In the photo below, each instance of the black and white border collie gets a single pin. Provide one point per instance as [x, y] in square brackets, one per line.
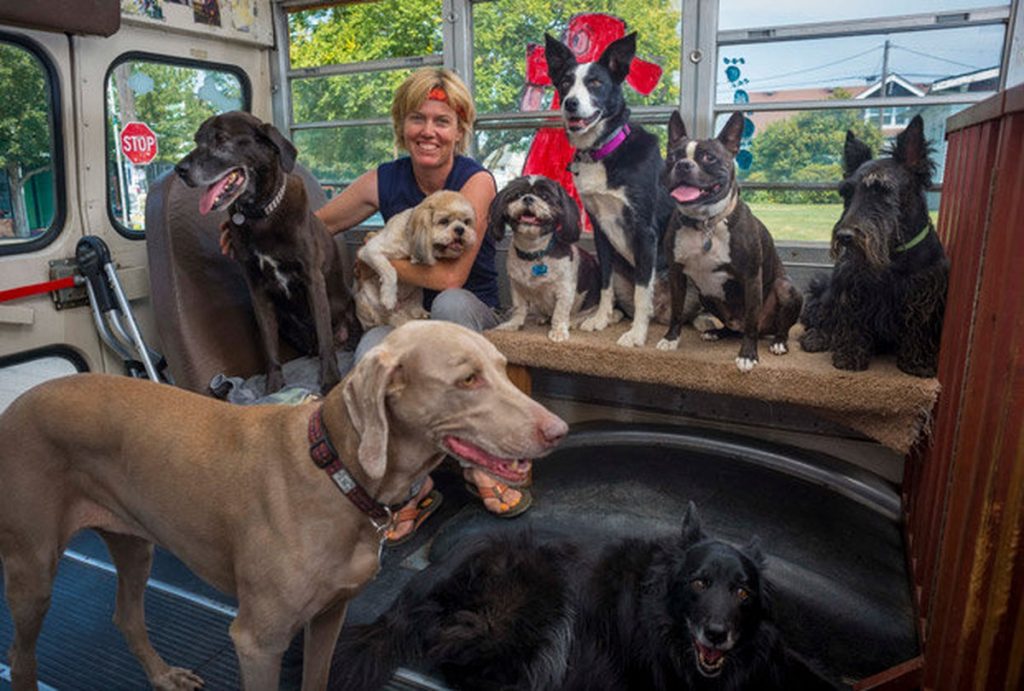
[615, 170]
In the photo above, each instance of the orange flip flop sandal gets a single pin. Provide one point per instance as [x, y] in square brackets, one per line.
[419, 513]
[497, 492]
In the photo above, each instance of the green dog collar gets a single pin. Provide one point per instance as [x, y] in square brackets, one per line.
[916, 240]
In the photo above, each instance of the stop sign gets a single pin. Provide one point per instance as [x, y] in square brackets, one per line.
[138, 143]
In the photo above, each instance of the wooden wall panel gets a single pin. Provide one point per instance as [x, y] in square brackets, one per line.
[964, 492]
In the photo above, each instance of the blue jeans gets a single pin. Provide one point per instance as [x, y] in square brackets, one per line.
[455, 305]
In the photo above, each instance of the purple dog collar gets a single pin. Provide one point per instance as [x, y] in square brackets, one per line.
[611, 145]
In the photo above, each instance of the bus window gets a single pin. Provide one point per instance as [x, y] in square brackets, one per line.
[31, 206]
[154, 107]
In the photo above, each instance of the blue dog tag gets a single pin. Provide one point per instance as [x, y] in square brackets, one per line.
[539, 269]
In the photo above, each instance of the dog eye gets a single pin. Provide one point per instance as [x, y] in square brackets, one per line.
[743, 594]
[470, 381]
[707, 157]
[443, 221]
[699, 584]
[593, 83]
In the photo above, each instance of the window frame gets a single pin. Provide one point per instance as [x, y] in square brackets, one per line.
[700, 43]
[145, 56]
[58, 162]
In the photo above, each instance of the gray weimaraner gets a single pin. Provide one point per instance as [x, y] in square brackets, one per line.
[240, 493]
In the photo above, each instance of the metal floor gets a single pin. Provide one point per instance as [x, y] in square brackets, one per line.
[831, 535]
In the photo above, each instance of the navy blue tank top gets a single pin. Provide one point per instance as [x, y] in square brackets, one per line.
[397, 191]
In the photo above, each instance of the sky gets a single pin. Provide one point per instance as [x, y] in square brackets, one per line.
[920, 57]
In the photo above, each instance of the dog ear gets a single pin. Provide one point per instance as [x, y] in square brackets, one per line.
[855, 153]
[569, 228]
[496, 211]
[676, 128]
[618, 56]
[419, 231]
[753, 551]
[692, 532]
[285, 149]
[559, 58]
[911, 150]
[365, 394]
[732, 133]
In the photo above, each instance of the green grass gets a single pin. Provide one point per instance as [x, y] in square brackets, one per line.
[807, 222]
[804, 222]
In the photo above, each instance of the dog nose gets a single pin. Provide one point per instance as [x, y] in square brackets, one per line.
[181, 168]
[528, 199]
[715, 634]
[571, 104]
[459, 231]
[552, 429]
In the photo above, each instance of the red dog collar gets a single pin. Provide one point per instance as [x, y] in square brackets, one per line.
[326, 457]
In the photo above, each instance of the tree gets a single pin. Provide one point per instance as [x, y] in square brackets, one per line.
[399, 28]
[25, 128]
[807, 147]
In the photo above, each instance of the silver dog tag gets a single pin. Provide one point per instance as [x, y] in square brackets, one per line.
[237, 218]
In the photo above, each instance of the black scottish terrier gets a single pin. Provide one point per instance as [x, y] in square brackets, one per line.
[887, 290]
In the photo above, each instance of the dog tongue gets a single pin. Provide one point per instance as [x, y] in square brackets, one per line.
[685, 194]
[210, 195]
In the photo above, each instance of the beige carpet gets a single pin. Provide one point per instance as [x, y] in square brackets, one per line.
[881, 402]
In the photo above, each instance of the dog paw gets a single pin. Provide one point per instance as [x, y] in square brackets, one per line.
[779, 348]
[616, 317]
[275, 380]
[745, 364]
[709, 335]
[389, 296]
[594, 323]
[177, 679]
[813, 341]
[634, 338]
[665, 344]
[509, 326]
[559, 334]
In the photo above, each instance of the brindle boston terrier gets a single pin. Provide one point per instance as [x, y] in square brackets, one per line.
[722, 247]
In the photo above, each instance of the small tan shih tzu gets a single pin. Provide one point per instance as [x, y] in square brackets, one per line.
[442, 226]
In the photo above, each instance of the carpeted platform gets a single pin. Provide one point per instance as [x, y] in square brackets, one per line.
[885, 404]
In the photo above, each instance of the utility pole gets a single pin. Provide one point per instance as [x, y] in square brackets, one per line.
[884, 91]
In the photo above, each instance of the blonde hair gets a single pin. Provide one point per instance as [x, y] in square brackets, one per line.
[420, 85]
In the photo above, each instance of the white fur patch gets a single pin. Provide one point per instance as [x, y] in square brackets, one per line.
[604, 204]
[691, 150]
[268, 263]
[701, 266]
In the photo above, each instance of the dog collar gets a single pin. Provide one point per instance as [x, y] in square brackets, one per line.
[707, 225]
[326, 457]
[610, 144]
[539, 254]
[916, 240]
[238, 218]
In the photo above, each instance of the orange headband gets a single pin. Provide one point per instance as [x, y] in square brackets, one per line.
[439, 94]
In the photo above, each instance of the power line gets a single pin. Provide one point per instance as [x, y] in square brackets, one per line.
[934, 57]
[818, 67]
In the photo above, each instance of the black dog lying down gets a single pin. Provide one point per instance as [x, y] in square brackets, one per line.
[689, 612]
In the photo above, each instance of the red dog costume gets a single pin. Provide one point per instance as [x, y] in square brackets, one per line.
[587, 36]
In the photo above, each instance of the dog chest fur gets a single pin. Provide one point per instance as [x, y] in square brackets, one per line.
[604, 203]
[706, 269]
[542, 291]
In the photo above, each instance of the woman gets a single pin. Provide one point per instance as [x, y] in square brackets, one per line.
[432, 114]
